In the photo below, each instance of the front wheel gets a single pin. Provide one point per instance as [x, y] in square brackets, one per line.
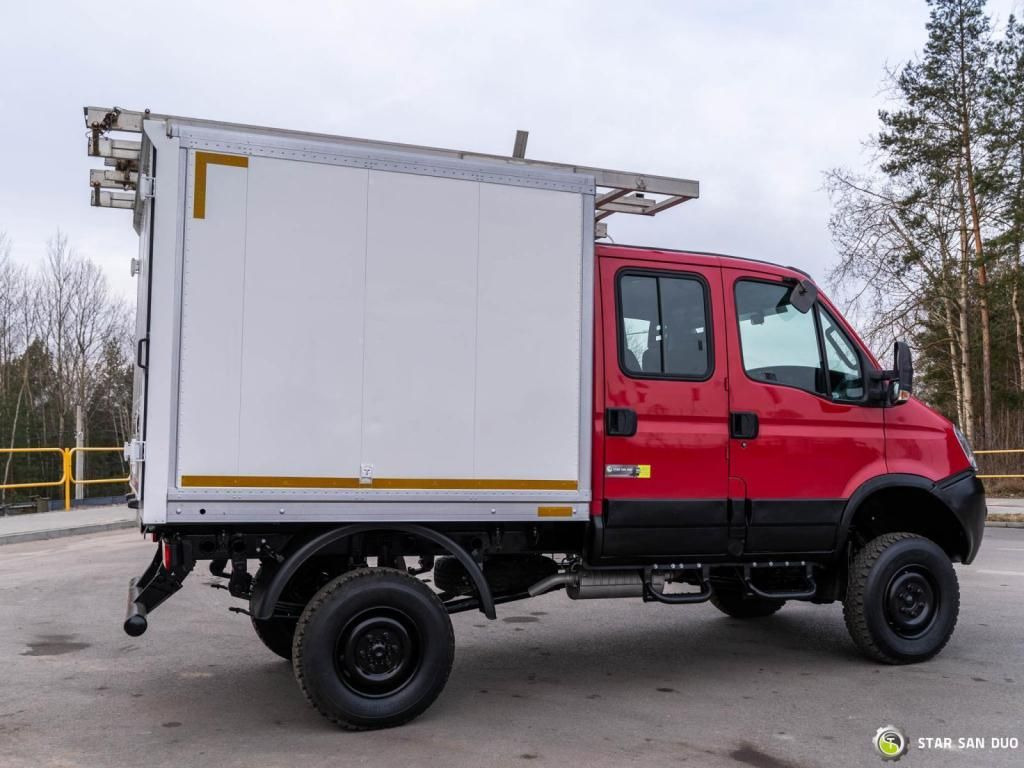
[373, 649]
[902, 599]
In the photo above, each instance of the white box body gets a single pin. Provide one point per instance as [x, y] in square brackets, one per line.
[338, 332]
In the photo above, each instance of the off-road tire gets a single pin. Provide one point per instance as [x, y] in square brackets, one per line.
[875, 599]
[275, 634]
[350, 625]
[732, 602]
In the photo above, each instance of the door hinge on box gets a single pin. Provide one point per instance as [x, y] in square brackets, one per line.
[135, 451]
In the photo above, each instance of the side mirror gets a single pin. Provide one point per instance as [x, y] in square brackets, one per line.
[803, 296]
[903, 368]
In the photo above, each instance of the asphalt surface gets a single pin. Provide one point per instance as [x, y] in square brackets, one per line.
[15, 529]
[552, 682]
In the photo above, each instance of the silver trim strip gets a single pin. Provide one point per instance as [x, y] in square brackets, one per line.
[338, 152]
[283, 511]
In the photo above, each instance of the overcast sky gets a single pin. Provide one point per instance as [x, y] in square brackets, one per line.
[753, 99]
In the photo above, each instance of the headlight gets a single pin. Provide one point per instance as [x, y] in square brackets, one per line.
[966, 446]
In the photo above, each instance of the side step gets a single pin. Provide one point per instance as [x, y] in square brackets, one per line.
[809, 591]
[651, 593]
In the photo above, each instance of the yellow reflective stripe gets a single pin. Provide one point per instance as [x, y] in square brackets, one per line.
[202, 160]
[379, 483]
[554, 511]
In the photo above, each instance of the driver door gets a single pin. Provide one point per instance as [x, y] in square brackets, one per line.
[802, 434]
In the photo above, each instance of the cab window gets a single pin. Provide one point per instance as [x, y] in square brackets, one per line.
[779, 344]
[845, 372]
[783, 346]
[663, 326]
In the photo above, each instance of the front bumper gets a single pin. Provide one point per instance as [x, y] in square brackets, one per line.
[964, 494]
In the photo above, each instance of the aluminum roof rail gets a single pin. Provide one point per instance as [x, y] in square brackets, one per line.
[617, 191]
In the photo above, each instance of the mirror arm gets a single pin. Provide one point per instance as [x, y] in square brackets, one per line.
[879, 384]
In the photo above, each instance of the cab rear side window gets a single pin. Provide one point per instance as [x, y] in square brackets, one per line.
[663, 324]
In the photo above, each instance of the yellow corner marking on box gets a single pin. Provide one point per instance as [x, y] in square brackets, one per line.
[554, 511]
[643, 470]
[202, 160]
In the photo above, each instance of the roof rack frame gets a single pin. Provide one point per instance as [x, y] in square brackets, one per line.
[617, 191]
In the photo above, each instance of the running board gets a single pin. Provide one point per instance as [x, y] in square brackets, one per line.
[809, 591]
[652, 594]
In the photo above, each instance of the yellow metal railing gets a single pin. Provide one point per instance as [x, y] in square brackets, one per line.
[67, 478]
[1004, 451]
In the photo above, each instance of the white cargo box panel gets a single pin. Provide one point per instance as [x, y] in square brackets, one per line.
[367, 334]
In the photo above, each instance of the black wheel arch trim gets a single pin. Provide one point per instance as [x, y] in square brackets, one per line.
[263, 601]
[961, 494]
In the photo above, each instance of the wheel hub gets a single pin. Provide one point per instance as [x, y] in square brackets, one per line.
[377, 652]
[911, 602]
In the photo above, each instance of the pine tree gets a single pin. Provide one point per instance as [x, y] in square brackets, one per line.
[938, 137]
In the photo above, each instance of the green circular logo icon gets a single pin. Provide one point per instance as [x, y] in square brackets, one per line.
[891, 742]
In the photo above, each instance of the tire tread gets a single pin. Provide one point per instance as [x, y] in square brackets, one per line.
[318, 600]
[855, 610]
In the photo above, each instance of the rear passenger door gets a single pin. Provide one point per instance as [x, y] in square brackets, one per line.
[665, 409]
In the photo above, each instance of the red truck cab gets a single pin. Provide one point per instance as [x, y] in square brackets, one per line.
[729, 424]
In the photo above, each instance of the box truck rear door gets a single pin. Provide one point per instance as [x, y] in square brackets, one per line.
[141, 268]
[665, 431]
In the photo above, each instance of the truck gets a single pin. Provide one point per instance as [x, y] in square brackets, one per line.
[379, 384]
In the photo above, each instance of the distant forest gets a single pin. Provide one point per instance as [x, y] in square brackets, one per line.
[930, 234]
[65, 341]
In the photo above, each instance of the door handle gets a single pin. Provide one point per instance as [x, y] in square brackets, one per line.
[142, 359]
[620, 422]
[743, 425]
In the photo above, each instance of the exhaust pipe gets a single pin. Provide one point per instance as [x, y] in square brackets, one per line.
[549, 583]
[587, 585]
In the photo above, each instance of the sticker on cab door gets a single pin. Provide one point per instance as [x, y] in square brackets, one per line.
[627, 470]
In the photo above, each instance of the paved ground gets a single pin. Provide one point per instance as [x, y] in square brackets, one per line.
[552, 682]
[1005, 506]
[15, 529]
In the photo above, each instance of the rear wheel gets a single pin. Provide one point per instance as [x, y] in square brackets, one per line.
[373, 649]
[731, 600]
[902, 599]
[275, 634]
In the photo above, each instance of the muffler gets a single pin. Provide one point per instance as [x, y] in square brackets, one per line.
[587, 585]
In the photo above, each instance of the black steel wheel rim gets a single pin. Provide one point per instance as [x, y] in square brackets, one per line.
[378, 652]
[911, 602]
